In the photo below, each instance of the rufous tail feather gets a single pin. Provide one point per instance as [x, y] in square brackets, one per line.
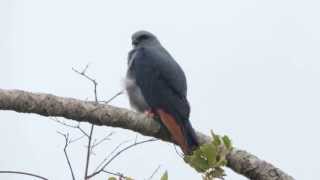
[174, 129]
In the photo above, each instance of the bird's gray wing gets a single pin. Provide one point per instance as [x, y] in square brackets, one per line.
[161, 81]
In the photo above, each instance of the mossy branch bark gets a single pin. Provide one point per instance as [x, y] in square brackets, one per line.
[240, 161]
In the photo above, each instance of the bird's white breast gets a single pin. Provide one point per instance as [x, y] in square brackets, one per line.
[137, 101]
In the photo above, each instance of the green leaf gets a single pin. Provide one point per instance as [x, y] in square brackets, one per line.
[210, 152]
[227, 142]
[216, 140]
[112, 178]
[199, 161]
[165, 176]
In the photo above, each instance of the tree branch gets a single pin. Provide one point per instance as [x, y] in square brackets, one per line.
[67, 142]
[95, 84]
[23, 173]
[117, 154]
[240, 161]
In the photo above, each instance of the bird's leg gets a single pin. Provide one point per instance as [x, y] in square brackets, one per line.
[149, 113]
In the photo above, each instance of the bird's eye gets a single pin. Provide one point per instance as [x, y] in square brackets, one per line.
[143, 37]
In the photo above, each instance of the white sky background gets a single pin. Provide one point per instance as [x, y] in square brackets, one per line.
[253, 70]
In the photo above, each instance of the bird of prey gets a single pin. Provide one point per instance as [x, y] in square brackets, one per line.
[157, 85]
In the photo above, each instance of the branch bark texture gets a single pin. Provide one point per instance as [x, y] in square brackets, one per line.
[239, 161]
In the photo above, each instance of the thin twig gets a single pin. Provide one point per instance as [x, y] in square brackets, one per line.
[71, 126]
[95, 83]
[83, 131]
[76, 139]
[90, 145]
[126, 148]
[107, 137]
[55, 119]
[89, 148]
[108, 156]
[88, 152]
[177, 152]
[115, 174]
[67, 142]
[85, 69]
[108, 101]
[23, 173]
[113, 97]
[154, 172]
[118, 153]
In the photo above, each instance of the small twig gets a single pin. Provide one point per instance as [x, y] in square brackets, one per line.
[23, 173]
[118, 153]
[85, 69]
[71, 126]
[126, 148]
[95, 84]
[77, 139]
[83, 73]
[115, 174]
[90, 146]
[83, 131]
[175, 148]
[67, 142]
[107, 137]
[55, 119]
[154, 172]
[88, 152]
[113, 97]
[108, 156]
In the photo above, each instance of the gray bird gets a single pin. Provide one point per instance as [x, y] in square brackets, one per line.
[157, 85]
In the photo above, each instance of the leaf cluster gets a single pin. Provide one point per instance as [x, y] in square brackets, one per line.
[209, 158]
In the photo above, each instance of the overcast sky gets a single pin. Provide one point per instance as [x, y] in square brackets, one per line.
[253, 70]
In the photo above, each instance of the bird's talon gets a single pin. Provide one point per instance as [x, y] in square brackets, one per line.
[150, 114]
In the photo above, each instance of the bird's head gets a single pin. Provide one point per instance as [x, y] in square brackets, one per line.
[141, 38]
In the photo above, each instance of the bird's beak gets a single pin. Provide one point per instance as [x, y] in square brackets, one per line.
[134, 42]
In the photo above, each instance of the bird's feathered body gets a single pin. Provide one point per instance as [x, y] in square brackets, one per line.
[156, 83]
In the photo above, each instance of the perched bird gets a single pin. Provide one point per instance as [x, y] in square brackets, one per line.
[157, 85]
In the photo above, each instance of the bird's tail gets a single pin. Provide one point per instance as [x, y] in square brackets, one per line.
[181, 132]
[190, 136]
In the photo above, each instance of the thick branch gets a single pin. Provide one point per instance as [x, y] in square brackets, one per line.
[240, 161]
